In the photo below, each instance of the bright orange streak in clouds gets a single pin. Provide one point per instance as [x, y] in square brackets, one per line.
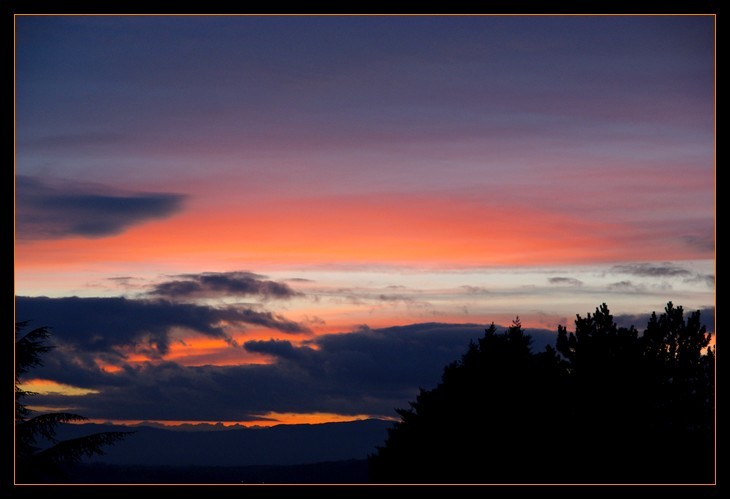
[46, 387]
[413, 229]
[108, 368]
[206, 351]
[200, 351]
[269, 419]
[306, 418]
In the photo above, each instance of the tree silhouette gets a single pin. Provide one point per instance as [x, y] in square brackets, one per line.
[643, 404]
[606, 405]
[34, 464]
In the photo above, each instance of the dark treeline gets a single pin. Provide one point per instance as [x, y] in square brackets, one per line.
[605, 405]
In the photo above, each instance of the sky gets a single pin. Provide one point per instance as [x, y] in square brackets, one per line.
[277, 219]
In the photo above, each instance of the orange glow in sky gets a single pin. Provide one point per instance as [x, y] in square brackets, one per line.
[407, 229]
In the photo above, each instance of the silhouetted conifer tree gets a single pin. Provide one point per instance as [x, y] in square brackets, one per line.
[34, 464]
[606, 405]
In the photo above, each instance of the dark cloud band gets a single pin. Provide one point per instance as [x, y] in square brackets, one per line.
[214, 284]
[51, 210]
[651, 270]
[565, 281]
[101, 324]
[367, 371]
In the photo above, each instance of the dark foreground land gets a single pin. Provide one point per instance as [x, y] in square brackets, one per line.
[352, 471]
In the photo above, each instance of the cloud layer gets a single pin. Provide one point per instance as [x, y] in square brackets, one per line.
[651, 270]
[221, 284]
[665, 270]
[58, 209]
[365, 371]
[103, 324]
[565, 281]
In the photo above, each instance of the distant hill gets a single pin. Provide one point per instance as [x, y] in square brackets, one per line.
[283, 445]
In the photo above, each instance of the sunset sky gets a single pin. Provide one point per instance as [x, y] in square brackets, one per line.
[266, 219]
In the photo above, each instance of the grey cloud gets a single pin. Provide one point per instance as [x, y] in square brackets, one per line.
[313, 320]
[664, 270]
[474, 290]
[101, 324]
[74, 366]
[51, 210]
[123, 279]
[565, 281]
[406, 300]
[625, 286]
[703, 243]
[212, 284]
[259, 318]
[384, 297]
[169, 391]
[278, 348]
[373, 297]
[707, 279]
[651, 270]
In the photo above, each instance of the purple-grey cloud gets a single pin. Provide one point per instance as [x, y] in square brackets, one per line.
[57, 209]
[625, 286]
[214, 284]
[702, 242]
[565, 281]
[277, 348]
[102, 324]
[651, 270]
[707, 279]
